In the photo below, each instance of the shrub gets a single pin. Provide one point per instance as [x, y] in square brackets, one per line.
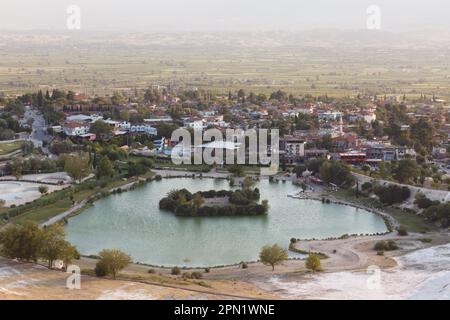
[244, 265]
[151, 271]
[423, 202]
[111, 262]
[313, 262]
[367, 187]
[146, 163]
[392, 245]
[196, 275]
[136, 169]
[176, 271]
[158, 177]
[207, 270]
[100, 270]
[186, 275]
[385, 246]
[402, 231]
[43, 189]
[392, 194]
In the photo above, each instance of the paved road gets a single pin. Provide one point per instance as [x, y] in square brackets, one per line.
[65, 214]
[433, 194]
[39, 133]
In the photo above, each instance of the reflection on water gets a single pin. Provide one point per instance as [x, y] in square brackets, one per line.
[133, 223]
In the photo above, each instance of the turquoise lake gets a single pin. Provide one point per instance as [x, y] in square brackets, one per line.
[133, 223]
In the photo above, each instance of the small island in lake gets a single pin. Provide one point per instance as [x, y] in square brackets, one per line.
[214, 203]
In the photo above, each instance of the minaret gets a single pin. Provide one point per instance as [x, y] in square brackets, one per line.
[341, 126]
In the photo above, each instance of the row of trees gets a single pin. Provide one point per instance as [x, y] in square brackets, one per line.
[241, 202]
[388, 195]
[30, 243]
[329, 171]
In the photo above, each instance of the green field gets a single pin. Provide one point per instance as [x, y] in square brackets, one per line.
[9, 147]
[261, 64]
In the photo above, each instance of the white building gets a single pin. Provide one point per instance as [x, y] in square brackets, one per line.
[330, 115]
[194, 124]
[294, 147]
[84, 118]
[143, 128]
[74, 129]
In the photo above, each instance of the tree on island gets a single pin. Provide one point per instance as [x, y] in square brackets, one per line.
[111, 262]
[198, 200]
[248, 183]
[236, 170]
[313, 262]
[273, 255]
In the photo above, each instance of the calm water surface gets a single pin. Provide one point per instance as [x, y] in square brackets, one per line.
[133, 223]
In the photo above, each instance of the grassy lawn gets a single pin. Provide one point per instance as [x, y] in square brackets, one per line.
[42, 214]
[7, 148]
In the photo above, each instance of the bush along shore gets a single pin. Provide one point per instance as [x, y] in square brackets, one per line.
[214, 203]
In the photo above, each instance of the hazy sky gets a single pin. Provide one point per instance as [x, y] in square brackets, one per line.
[223, 15]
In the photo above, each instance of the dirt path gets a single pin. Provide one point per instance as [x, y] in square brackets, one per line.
[65, 214]
[31, 281]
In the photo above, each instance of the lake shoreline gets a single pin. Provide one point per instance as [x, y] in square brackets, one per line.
[183, 174]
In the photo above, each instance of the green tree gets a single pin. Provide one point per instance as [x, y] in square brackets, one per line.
[422, 133]
[392, 194]
[406, 171]
[17, 169]
[248, 183]
[298, 170]
[43, 189]
[236, 170]
[273, 255]
[68, 254]
[77, 167]
[53, 244]
[313, 262]
[112, 261]
[336, 172]
[104, 168]
[101, 129]
[198, 200]
[21, 242]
